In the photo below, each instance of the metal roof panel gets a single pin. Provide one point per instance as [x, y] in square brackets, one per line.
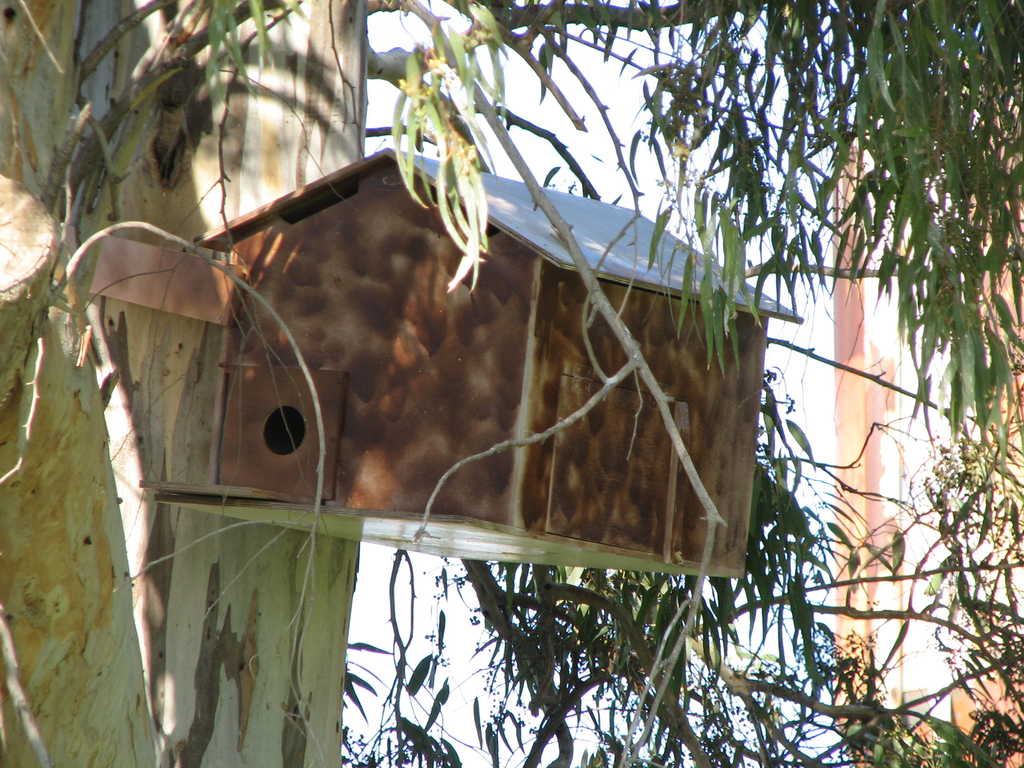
[615, 241]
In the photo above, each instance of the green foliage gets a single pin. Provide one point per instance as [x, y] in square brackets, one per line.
[438, 99]
[891, 128]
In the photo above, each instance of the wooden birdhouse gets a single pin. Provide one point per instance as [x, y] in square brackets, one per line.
[412, 378]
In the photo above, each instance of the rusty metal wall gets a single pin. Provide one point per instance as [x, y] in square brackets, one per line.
[432, 376]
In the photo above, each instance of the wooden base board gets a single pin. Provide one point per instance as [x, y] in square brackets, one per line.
[445, 536]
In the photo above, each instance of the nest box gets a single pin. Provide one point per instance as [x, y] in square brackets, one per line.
[411, 378]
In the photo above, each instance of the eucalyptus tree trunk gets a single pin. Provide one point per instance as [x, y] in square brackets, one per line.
[236, 652]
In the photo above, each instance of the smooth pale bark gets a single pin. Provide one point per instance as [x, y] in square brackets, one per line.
[61, 543]
[243, 638]
[242, 631]
[62, 551]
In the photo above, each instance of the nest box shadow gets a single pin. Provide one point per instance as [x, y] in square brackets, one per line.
[412, 378]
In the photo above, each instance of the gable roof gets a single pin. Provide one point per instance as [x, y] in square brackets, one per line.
[615, 241]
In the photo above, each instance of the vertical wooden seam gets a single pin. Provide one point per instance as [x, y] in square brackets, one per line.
[523, 418]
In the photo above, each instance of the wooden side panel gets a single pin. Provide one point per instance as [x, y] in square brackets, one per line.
[723, 423]
[270, 435]
[433, 376]
[615, 461]
[161, 278]
[720, 408]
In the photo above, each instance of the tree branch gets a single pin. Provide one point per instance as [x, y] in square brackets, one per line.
[602, 109]
[390, 66]
[635, 354]
[511, 118]
[875, 377]
[522, 47]
[124, 25]
[837, 273]
[27, 412]
[637, 16]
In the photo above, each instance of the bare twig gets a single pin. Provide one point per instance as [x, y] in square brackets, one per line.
[17, 693]
[602, 109]
[837, 273]
[640, 16]
[41, 37]
[635, 354]
[522, 47]
[603, 306]
[390, 66]
[59, 165]
[28, 412]
[511, 118]
[108, 158]
[148, 75]
[877, 378]
[199, 540]
[662, 668]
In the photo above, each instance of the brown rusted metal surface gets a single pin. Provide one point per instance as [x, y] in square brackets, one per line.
[269, 439]
[721, 408]
[433, 376]
[161, 278]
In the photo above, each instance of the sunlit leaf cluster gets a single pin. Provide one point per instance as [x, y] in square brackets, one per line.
[438, 103]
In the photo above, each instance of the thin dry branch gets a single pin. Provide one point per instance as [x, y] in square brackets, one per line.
[638, 16]
[522, 47]
[604, 307]
[602, 109]
[511, 118]
[27, 412]
[877, 378]
[634, 354]
[651, 663]
[390, 66]
[79, 255]
[834, 272]
[41, 37]
[495, 604]
[17, 693]
[62, 158]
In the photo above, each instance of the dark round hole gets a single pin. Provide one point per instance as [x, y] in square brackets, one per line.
[10, 13]
[284, 430]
